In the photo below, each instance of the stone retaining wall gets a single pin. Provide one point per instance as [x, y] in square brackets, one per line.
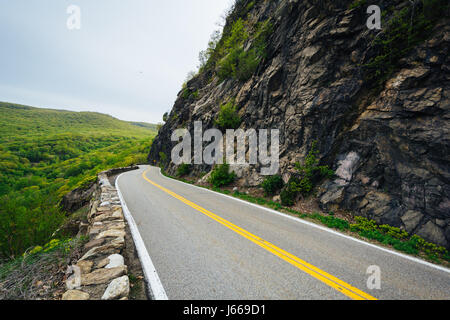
[101, 272]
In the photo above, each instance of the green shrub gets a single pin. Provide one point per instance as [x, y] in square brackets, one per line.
[288, 196]
[236, 62]
[272, 185]
[183, 169]
[237, 37]
[226, 66]
[228, 118]
[246, 64]
[310, 167]
[239, 64]
[308, 173]
[189, 94]
[221, 175]
[393, 231]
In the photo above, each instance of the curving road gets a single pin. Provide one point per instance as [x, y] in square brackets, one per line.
[206, 245]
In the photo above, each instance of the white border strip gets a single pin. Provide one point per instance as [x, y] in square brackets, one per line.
[151, 276]
[441, 268]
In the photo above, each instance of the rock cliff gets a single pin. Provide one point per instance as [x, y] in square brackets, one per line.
[377, 102]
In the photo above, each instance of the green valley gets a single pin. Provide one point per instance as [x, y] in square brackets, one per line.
[44, 154]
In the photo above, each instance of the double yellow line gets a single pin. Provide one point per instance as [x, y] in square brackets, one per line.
[335, 283]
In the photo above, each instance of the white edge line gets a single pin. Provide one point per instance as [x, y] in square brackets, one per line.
[151, 276]
[311, 224]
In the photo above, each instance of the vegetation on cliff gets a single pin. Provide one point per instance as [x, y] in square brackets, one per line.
[221, 175]
[228, 117]
[401, 33]
[237, 52]
[308, 174]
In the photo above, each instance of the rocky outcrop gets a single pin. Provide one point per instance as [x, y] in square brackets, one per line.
[101, 272]
[77, 198]
[80, 197]
[388, 145]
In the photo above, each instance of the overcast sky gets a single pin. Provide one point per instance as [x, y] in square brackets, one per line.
[129, 59]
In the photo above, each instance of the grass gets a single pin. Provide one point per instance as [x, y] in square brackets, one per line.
[135, 286]
[364, 228]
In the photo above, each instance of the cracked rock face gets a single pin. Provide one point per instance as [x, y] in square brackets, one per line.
[389, 147]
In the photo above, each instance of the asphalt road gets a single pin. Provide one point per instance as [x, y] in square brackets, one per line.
[209, 246]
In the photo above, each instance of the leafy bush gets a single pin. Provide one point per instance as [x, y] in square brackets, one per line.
[272, 184]
[311, 166]
[237, 36]
[190, 94]
[221, 176]
[236, 62]
[228, 117]
[364, 224]
[226, 66]
[246, 64]
[288, 195]
[308, 173]
[183, 169]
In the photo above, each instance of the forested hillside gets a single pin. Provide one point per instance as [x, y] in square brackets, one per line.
[46, 153]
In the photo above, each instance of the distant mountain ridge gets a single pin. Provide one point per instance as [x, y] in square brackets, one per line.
[28, 121]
